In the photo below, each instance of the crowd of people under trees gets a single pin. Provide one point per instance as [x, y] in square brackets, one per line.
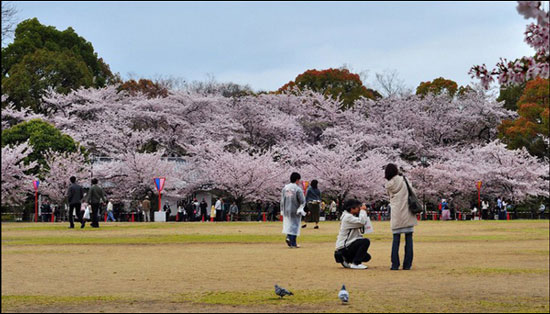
[192, 210]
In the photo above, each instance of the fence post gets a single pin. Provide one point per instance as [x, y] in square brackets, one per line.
[133, 218]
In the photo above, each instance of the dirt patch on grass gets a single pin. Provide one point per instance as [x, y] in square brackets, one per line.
[481, 272]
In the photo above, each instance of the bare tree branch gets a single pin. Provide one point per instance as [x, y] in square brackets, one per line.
[9, 20]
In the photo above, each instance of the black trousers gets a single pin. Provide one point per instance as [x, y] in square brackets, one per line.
[407, 263]
[95, 215]
[357, 252]
[76, 208]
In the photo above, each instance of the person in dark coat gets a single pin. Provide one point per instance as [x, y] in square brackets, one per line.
[74, 198]
[95, 198]
[313, 201]
[204, 210]
[46, 211]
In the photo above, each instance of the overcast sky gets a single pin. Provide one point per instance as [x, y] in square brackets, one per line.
[266, 45]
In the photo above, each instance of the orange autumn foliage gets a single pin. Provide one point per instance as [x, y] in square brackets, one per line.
[531, 128]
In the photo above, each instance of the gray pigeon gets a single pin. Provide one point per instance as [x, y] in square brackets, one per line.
[281, 292]
[343, 295]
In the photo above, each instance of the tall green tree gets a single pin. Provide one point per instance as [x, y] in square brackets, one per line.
[510, 95]
[333, 83]
[42, 137]
[42, 57]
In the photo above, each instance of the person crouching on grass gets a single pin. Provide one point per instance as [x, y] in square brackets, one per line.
[351, 247]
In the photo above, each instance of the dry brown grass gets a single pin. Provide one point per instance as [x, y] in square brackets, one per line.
[176, 267]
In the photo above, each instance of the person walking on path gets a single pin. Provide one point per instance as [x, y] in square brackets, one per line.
[110, 216]
[95, 197]
[313, 200]
[402, 220]
[292, 209]
[146, 207]
[75, 194]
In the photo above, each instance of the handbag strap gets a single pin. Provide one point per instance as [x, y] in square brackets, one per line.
[407, 183]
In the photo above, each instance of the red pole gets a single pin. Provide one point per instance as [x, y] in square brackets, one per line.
[36, 206]
[280, 217]
[228, 217]
[263, 217]
[133, 220]
[159, 201]
[379, 217]
[52, 217]
[105, 216]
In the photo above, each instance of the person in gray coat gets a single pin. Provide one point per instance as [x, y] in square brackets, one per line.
[402, 220]
[74, 198]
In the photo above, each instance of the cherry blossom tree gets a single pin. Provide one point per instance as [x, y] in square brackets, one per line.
[513, 174]
[16, 184]
[525, 68]
[343, 171]
[244, 176]
[247, 146]
[60, 167]
[131, 176]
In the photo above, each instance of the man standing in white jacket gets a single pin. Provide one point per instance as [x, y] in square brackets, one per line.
[350, 239]
[219, 209]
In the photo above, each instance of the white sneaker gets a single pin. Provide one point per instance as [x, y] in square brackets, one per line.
[345, 264]
[360, 266]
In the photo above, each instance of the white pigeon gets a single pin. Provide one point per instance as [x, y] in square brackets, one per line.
[343, 295]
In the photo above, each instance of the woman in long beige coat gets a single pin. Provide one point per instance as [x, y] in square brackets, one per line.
[402, 220]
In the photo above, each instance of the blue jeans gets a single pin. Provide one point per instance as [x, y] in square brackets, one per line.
[110, 216]
[407, 263]
[292, 239]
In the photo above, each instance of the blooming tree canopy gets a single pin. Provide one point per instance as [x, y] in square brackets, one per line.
[16, 184]
[526, 68]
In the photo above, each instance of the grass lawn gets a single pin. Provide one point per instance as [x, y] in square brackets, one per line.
[466, 266]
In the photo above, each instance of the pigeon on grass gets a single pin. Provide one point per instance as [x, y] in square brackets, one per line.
[281, 292]
[343, 295]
